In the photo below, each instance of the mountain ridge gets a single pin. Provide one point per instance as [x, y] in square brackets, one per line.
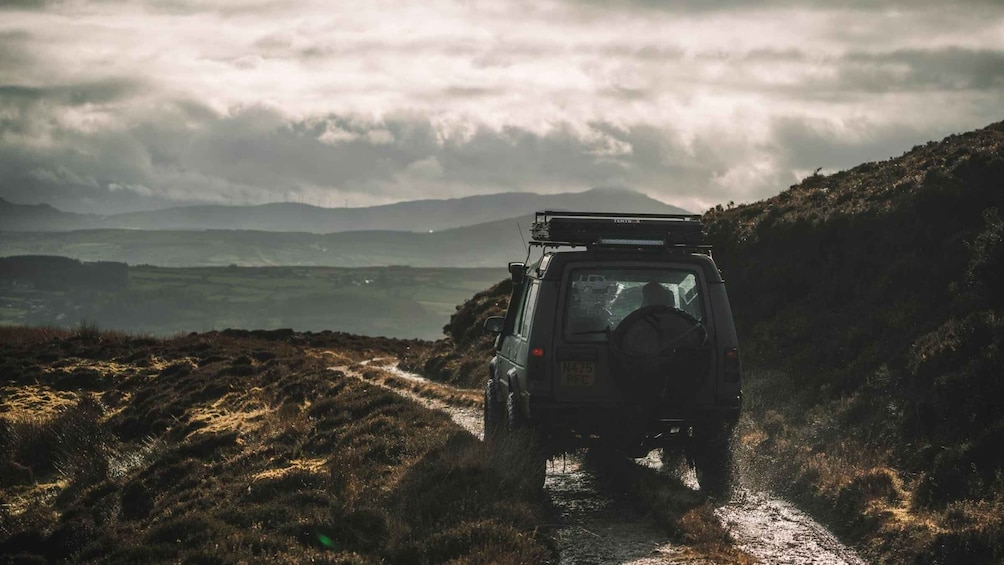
[413, 215]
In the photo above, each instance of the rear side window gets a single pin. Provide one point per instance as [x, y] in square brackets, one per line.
[518, 306]
[529, 305]
[598, 298]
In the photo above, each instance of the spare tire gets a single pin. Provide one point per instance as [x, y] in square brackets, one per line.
[659, 353]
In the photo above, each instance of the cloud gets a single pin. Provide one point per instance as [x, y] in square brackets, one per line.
[24, 4]
[81, 94]
[802, 144]
[701, 6]
[188, 155]
[122, 104]
[914, 69]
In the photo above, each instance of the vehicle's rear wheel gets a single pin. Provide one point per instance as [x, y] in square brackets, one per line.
[713, 466]
[673, 460]
[520, 430]
[514, 416]
[494, 419]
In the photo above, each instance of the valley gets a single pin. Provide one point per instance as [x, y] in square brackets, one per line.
[400, 302]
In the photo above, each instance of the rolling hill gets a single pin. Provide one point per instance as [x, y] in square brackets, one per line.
[417, 215]
[418, 234]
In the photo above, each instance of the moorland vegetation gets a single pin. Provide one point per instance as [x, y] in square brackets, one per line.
[869, 304]
[870, 308]
[238, 446]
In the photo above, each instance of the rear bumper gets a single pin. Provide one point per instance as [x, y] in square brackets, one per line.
[629, 428]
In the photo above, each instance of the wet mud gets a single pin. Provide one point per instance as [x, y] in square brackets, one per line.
[774, 531]
[596, 526]
[600, 527]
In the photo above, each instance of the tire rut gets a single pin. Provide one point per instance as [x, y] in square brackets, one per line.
[596, 526]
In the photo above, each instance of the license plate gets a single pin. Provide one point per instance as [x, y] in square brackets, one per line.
[578, 373]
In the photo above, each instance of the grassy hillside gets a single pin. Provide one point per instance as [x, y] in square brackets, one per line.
[869, 306]
[239, 447]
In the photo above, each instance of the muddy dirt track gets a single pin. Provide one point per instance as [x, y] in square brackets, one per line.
[595, 525]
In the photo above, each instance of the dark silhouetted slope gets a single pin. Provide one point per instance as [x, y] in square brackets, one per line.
[868, 309]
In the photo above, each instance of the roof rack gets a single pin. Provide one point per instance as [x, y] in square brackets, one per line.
[600, 229]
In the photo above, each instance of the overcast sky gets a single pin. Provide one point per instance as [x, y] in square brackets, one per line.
[110, 106]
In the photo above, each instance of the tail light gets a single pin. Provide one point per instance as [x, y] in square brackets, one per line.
[535, 366]
[733, 367]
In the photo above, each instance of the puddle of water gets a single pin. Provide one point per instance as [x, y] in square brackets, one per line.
[597, 528]
[777, 532]
[685, 472]
[768, 528]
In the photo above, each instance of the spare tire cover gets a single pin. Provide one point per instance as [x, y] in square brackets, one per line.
[659, 353]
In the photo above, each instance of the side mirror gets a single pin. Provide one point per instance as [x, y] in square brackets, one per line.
[495, 324]
[516, 272]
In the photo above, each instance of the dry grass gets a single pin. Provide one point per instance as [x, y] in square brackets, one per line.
[851, 486]
[36, 400]
[385, 374]
[261, 454]
[20, 335]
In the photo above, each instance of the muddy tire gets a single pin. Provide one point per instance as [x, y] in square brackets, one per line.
[494, 418]
[713, 465]
[520, 430]
[514, 416]
[673, 460]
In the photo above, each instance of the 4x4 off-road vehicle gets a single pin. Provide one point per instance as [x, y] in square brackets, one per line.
[620, 336]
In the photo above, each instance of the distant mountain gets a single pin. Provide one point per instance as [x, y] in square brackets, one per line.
[42, 217]
[412, 216]
[485, 245]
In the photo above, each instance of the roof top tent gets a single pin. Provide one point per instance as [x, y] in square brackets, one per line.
[592, 229]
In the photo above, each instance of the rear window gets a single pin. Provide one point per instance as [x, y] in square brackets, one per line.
[598, 298]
